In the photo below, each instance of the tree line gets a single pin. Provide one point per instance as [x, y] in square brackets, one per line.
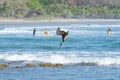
[60, 9]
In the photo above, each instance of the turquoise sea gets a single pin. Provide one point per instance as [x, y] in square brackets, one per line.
[87, 54]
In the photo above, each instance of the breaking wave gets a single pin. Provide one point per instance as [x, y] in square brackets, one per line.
[71, 59]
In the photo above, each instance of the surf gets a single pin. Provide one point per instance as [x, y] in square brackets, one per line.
[57, 57]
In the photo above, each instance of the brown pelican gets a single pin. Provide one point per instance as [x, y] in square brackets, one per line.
[63, 34]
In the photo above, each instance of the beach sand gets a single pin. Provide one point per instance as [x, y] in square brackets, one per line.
[20, 21]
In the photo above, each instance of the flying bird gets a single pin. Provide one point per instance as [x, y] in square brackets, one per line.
[63, 34]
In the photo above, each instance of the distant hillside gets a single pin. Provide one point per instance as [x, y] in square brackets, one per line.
[44, 9]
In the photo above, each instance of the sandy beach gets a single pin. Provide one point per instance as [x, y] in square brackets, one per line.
[5, 21]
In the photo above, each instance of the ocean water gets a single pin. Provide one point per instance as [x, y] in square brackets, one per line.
[87, 54]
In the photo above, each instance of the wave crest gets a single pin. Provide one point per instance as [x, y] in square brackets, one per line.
[62, 59]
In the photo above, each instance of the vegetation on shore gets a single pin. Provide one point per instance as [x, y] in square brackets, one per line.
[48, 9]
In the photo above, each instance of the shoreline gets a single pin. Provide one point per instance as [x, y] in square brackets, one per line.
[8, 21]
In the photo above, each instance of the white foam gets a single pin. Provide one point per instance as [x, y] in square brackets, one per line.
[83, 29]
[14, 30]
[24, 30]
[60, 58]
[95, 25]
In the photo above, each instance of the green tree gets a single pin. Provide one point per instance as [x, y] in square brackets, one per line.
[34, 4]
